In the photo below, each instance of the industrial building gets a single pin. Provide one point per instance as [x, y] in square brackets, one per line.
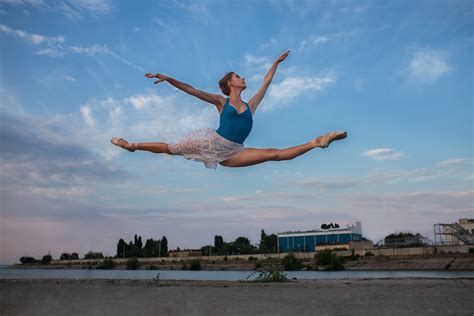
[328, 234]
[460, 233]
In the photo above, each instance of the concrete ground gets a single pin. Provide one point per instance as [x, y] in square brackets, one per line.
[312, 297]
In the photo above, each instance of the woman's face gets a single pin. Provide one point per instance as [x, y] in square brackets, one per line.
[237, 81]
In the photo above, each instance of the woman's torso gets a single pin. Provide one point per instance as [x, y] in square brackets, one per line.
[235, 126]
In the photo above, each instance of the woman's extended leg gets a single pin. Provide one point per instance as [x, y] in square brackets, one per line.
[154, 147]
[253, 156]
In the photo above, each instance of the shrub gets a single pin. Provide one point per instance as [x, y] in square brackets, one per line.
[133, 263]
[369, 254]
[471, 250]
[28, 260]
[184, 266]
[336, 264]
[330, 261]
[152, 267]
[225, 258]
[323, 258]
[106, 264]
[269, 271]
[309, 267]
[291, 263]
[251, 258]
[46, 259]
[195, 265]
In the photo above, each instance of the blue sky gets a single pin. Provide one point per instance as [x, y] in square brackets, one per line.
[396, 75]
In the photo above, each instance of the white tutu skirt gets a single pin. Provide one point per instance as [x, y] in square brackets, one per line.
[206, 146]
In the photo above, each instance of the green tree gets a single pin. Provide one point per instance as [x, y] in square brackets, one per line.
[291, 263]
[46, 259]
[219, 244]
[121, 248]
[164, 247]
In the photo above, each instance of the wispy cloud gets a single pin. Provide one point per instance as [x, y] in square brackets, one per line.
[55, 49]
[252, 60]
[73, 9]
[379, 176]
[455, 162]
[315, 40]
[32, 38]
[96, 49]
[426, 66]
[382, 154]
[280, 94]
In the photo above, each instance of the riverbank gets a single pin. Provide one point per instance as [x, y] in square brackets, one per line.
[438, 262]
[315, 297]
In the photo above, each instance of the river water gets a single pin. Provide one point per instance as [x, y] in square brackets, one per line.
[218, 275]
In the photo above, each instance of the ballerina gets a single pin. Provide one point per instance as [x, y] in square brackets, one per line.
[225, 146]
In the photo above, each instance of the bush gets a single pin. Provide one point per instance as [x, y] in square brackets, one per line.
[27, 260]
[225, 258]
[94, 255]
[195, 265]
[323, 258]
[471, 250]
[309, 267]
[291, 263]
[369, 254]
[269, 271]
[252, 258]
[184, 266]
[152, 267]
[46, 259]
[106, 264]
[133, 263]
[330, 261]
[336, 264]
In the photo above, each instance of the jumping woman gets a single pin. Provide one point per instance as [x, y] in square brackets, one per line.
[225, 146]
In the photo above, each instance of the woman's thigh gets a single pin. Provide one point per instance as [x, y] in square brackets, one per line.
[251, 156]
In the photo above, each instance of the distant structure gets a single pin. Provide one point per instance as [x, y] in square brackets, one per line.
[328, 236]
[460, 233]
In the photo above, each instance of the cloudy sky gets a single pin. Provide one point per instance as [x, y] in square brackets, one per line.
[396, 75]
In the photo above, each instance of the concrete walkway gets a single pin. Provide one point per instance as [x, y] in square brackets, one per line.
[320, 297]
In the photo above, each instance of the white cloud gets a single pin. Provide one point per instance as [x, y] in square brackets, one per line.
[35, 39]
[280, 94]
[383, 154]
[251, 60]
[455, 162]
[97, 49]
[314, 40]
[94, 6]
[69, 78]
[378, 176]
[51, 52]
[74, 9]
[427, 66]
[86, 114]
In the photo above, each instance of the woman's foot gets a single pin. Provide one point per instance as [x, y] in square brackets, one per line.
[117, 141]
[325, 140]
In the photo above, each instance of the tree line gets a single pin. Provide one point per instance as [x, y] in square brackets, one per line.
[241, 246]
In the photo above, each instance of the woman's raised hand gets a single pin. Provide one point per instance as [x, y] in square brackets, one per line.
[282, 57]
[157, 75]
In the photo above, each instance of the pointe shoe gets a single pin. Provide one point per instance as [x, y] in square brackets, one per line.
[331, 137]
[116, 142]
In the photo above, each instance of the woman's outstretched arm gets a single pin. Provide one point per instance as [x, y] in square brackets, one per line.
[257, 98]
[205, 96]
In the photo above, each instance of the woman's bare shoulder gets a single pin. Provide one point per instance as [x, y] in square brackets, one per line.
[220, 102]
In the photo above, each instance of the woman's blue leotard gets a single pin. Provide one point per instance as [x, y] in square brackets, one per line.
[235, 126]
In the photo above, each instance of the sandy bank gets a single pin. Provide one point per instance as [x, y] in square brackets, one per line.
[318, 297]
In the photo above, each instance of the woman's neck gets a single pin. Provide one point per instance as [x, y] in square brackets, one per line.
[235, 96]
